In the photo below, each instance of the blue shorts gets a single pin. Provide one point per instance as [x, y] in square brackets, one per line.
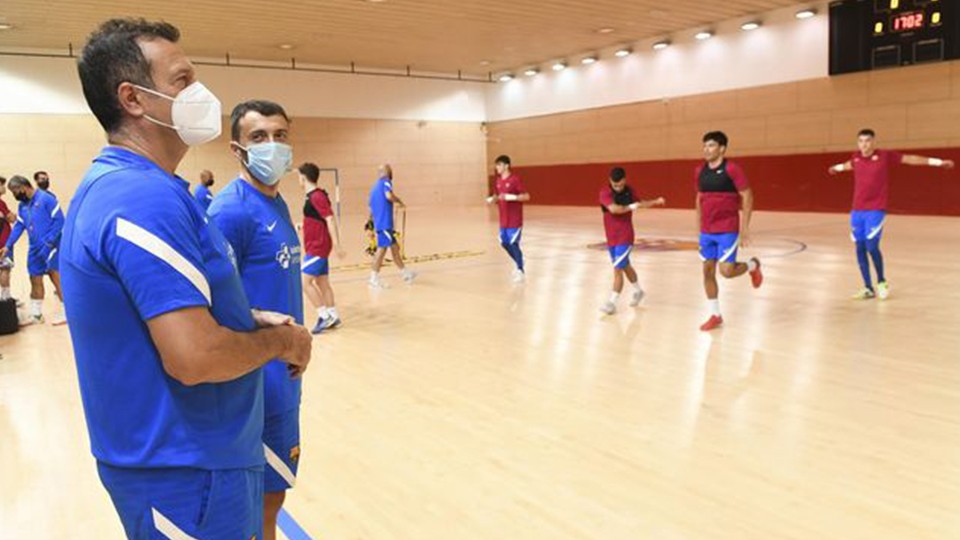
[43, 260]
[156, 504]
[509, 237]
[866, 224]
[620, 255]
[315, 266]
[719, 247]
[386, 238]
[281, 444]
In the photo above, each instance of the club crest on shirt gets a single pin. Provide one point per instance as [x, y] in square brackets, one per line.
[287, 256]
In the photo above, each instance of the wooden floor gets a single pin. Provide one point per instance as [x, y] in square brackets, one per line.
[464, 407]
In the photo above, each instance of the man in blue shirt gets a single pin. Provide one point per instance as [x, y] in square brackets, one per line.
[202, 192]
[40, 216]
[382, 199]
[42, 178]
[255, 219]
[167, 349]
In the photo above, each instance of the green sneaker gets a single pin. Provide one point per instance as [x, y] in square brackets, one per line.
[864, 294]
[883, 290]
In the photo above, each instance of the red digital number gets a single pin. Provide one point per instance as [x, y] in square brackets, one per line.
[909, 21]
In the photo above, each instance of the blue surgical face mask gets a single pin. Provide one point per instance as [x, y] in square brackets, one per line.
[269, 161]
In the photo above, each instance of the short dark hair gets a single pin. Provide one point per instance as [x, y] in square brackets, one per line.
[112, 56]
[617, 174]
[264, 107]
[36, 175]
[18, 181]
[867, 132]
[718, 137]
[504, 159]
[311, 171]
[3, 180]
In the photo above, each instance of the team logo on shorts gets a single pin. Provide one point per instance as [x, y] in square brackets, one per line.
[295, 453]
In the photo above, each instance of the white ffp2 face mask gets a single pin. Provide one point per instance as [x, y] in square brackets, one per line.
[195, 114]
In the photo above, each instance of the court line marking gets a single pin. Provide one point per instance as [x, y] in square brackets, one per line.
[290, 528]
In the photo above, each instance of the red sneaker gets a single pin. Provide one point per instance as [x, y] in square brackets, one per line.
[714, 322]
[756, 275]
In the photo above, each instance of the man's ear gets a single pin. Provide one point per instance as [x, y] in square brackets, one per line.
[130, 99]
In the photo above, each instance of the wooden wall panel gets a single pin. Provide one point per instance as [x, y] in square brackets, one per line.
[910, 107]
[435, 162]
[788, 133]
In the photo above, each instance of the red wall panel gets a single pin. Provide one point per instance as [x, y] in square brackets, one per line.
[796, 183]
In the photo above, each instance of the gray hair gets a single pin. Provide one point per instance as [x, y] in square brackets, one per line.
[18, 181]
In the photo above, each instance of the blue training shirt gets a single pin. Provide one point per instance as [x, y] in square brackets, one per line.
[136, 246]
[268, 257]
[42, 218]
[380, 206]
[203, 195]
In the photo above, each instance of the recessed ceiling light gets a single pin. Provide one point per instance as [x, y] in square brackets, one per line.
[506, 77]
[605, 31]
[806, 13]
[750, 25]
[660, 45]
[285, 46]
[6, 26]
[530, 72]
[587, 60]
[623, 52]
[705, 34]
[484, 62]
[559, 66]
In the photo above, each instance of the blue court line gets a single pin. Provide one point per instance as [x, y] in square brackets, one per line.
[290, 527]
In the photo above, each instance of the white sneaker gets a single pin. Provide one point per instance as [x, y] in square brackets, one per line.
[608, 308]
[59, 318]
[637, 298]
[31, 319]
[377, 284]
[519, 276]
[409, 276]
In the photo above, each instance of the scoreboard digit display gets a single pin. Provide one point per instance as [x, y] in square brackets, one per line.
[876, 34]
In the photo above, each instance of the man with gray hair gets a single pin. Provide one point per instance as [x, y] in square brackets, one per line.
[40, 215]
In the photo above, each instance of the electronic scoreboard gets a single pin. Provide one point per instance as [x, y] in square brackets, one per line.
[875, 34]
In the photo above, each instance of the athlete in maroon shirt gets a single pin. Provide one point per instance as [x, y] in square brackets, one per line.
[509, 193]
[871, 179]
[722, 191]
[6, 263]
[617, 203]
[318, 242]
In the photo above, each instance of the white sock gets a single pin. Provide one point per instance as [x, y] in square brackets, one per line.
[751, 265]
[322, 312]
[333, 313]
[4, 293]
[714, 306]
[406, 272]
[636, 286]
[613, 297]
[36, 307]
[374, 276]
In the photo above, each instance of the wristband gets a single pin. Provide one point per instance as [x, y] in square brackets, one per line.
[634, 206]
[935, 162]
[491, 198]
[838, 167]
[510, 197]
